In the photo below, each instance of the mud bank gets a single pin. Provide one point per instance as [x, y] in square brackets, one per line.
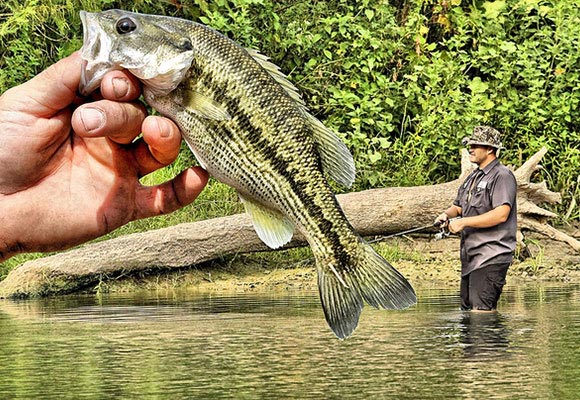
[424, 261]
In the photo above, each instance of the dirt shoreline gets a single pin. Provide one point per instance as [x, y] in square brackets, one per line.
[424, 261]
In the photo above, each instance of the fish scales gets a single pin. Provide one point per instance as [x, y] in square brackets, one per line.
[248, 127]
[274, 133]
[258, 142]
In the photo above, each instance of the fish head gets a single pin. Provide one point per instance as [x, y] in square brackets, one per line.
[156, 49]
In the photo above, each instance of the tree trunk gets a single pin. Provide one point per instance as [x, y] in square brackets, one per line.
[371, 212]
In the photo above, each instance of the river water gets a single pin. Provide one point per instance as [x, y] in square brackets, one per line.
[277, 345]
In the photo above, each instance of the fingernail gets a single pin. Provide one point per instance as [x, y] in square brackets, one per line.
[120, 87]
[164, 128]
[92, 118]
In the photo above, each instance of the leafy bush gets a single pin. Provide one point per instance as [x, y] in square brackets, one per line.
[402, 81]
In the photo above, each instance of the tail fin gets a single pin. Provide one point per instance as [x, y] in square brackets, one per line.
[370, 278]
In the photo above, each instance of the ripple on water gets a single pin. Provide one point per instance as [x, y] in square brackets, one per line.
[278, 345]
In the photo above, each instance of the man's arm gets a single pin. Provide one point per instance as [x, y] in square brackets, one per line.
[491, 218]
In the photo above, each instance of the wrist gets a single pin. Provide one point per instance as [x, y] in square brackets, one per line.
[8, 239]
[453, 212]
[5, 250]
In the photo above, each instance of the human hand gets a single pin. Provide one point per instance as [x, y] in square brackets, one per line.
[441, 220]
[70, 175]
[456, 225]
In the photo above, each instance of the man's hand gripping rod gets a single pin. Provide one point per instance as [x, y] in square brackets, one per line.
[443, 228]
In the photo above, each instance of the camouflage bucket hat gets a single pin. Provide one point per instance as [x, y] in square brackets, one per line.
[484, 136]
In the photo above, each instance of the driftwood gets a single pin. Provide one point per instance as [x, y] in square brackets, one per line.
[371, 212]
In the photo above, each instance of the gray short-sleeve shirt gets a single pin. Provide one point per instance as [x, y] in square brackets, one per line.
[482, 191]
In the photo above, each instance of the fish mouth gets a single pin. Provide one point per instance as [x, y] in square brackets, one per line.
[94, 53]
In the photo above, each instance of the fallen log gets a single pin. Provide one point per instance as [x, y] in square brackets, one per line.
[371, 212]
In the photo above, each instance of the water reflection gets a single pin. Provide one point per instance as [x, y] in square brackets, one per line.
[484, 334]
[277, 345]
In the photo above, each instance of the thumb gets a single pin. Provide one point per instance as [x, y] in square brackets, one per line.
[52, 90]
[172, 195]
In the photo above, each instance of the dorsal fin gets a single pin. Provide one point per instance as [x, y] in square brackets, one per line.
[337, 160]
[275, 72]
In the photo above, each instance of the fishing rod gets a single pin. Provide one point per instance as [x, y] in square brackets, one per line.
[443, 231]
[442, 234]
[406, 232]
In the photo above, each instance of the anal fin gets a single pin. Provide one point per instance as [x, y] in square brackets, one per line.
[272, 228]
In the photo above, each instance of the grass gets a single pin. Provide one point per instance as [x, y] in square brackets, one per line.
[536, 261]
[13, 262]
[393, 252]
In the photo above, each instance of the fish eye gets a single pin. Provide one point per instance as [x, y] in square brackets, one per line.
[125, 25]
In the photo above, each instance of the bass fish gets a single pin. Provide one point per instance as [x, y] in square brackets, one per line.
[248, 127]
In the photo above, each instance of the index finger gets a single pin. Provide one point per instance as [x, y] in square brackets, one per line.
[120, 86]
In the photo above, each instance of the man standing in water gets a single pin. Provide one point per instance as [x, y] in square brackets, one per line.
[486, 203]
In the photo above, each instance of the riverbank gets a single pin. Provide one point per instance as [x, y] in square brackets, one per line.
[424, 261]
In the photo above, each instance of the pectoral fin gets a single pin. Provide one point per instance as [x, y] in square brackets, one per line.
[272, 227]
[204, 106]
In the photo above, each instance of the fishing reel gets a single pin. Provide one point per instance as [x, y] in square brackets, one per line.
[444, 231]
[442, 234]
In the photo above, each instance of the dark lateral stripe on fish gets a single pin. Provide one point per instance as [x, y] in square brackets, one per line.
[263, 144]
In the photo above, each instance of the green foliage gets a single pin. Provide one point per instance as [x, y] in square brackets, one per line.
[401, 81]
[522, 63]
